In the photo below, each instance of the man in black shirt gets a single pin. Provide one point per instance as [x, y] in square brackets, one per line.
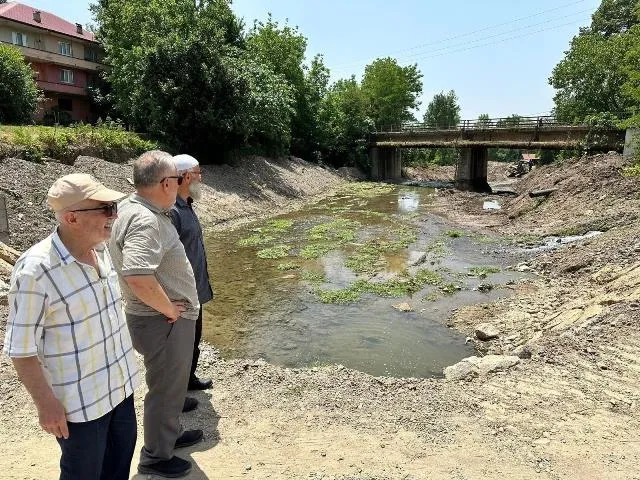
[190, 232]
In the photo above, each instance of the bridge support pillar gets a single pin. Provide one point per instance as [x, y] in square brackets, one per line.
[386, 163]
[631, 142]
[471, 171]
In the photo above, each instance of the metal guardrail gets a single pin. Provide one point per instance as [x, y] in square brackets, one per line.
[480, 124]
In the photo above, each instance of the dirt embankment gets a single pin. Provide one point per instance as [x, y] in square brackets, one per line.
[568, 412]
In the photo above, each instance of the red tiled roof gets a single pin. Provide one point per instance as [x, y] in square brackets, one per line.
[24, 14]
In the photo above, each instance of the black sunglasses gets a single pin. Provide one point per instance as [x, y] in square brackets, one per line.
[177, 177]
[109, 210]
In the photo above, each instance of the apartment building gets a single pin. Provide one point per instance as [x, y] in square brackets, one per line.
[64, 56]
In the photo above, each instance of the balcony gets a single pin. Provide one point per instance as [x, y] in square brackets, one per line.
[62, 88]
[57, 59]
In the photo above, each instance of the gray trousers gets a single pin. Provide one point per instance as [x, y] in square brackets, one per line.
[167, 349]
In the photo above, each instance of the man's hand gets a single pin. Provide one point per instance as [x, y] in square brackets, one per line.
[178, 308]
[52, 417]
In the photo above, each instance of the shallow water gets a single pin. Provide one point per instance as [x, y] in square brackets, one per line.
[260, 311]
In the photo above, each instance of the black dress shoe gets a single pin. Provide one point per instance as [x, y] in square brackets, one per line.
[173, 468]
[196, 384]
[188, 438]
[190, 403]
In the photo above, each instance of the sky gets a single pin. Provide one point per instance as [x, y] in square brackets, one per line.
[497, 55]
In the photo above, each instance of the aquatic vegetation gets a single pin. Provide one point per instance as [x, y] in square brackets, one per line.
[366, 189]
[313, 277]
[255, 240]
[437, 248]
[430, 297]
[279, 251]
[277, 226]
[339, 230]
[483, 271]
[449, 288]
[287, 266]
[315, 250]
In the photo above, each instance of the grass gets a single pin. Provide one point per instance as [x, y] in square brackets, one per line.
[109, 141]
[454, 233]
[483, 271]
[279, 251]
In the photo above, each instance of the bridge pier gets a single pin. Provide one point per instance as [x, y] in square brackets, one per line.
[471, 171]
[386, 163]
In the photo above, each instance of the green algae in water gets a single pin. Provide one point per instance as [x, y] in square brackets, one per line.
[283, 267]
[279, 251]
[315, 250]
[313, 277]
[483, 271]
[255, 240]
[340, 230]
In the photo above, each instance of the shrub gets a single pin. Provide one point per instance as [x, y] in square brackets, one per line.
[19, 94]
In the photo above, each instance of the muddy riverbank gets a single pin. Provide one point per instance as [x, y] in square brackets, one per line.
[568, 412]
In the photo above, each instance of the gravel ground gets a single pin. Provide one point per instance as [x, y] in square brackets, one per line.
[568, 412]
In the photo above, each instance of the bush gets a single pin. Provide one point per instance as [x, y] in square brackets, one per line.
[19, 94]
[108, 140]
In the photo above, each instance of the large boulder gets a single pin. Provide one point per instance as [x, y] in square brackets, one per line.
[472, 367]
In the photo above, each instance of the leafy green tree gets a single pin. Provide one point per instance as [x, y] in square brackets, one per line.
[590, 79]
[391, 91]
[283, 48]
[483, 119]
[344, 120]
[613, 17]
[443, 111]
[632, 69]
[19, 94]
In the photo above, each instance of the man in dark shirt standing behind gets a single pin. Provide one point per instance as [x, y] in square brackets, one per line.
[190, 232]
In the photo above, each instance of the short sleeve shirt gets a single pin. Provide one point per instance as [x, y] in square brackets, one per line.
[145, 242]
[70, 316]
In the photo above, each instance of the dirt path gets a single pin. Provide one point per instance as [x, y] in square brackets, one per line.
[568, 412]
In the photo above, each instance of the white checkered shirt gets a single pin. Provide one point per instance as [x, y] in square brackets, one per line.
[71, 317]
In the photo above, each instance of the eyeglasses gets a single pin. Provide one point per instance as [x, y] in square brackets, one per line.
[109, 210]
[179, 178]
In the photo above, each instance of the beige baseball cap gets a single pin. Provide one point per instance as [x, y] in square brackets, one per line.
[76, 187]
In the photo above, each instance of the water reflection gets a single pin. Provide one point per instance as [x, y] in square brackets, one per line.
[408, 201]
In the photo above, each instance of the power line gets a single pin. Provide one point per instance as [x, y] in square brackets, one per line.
[500, 41]
[498, 34]
[489, 27]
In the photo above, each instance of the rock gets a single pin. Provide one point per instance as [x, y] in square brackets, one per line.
[417, 258]
[464, 369]
[485, 287]
[523, 267]
[496, 363]
[486, 331]
[8, 254]
[403, 307]
[523, 351]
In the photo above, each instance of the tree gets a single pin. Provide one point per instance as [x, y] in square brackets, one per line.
[613, 17]
[443, 111]
[344, 120]
[632, 69]
[19, 94]
[590, 79]
[483, 119]
[391, 91]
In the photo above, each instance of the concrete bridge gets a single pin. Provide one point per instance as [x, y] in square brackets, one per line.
[473, 137]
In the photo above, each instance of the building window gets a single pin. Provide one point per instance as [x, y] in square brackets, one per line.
[65, 104]
[64, 48]
[19, 39]
[66, 76]
[90, 55]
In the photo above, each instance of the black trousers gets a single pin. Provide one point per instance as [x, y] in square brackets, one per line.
[196, 346]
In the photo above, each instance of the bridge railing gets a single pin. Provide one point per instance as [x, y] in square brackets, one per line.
[477, 124]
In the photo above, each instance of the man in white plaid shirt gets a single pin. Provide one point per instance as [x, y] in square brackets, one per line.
[68, 338]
